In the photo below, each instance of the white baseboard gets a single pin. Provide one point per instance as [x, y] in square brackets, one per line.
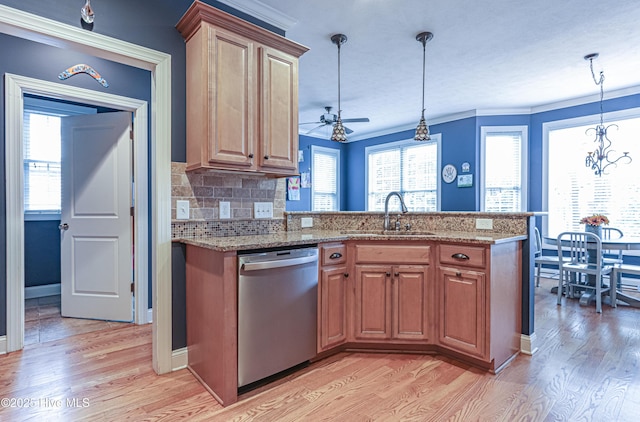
[179, 359]
[528, 344]
[42, 291]
[3, 345]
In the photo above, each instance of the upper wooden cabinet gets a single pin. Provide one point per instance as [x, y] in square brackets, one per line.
[242, 94]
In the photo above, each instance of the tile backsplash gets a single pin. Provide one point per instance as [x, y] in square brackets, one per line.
[205, 189]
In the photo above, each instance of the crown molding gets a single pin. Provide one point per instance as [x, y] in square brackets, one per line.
[263, 12]
[624, 92]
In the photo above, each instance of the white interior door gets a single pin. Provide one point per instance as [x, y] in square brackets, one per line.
[95, 226]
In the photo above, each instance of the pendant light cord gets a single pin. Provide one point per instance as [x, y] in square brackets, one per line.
[599, 82]
[339, 109]
[424, 61]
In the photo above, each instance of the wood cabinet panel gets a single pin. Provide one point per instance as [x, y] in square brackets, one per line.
[411, 303]
[333, 307]
[463, 255]
[393, 254]
[463, 309]
[373, 302]
[278, 110]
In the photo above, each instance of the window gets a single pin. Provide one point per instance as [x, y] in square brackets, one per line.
[41, 153]
[573, 191]
[408, 167]
[504, 171]
[325, 179]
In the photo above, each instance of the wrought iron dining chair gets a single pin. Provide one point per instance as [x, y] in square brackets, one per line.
[550, 262]
[585, 270]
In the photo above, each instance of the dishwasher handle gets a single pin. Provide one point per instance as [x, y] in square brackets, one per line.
[278, 263]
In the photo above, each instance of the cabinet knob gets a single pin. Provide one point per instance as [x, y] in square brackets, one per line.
[250, 155]
[460, 256]
[458, 274]
[396, 274]
[266, 157]
[388, 274]
[346, 275]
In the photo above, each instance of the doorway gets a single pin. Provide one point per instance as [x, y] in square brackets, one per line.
[21, 85]
[80, 270]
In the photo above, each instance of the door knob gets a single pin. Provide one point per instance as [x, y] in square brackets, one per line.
[64, 226]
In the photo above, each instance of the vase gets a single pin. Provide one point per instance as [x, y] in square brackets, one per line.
[597, 230]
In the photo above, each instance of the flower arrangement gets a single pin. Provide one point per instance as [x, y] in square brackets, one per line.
[595, 220]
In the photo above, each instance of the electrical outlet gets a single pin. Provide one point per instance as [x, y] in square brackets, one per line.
[263, 209]
[484, 223]
[225, 209]
[306, 222]
[182, 210]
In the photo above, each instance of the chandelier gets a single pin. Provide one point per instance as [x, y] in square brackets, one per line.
[598, 160]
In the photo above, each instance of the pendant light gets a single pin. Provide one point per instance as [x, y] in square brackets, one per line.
[338, 133]
[422, 131]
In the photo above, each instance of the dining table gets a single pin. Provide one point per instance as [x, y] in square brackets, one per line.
[624, 243]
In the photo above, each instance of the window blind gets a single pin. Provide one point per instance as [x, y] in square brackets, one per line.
[503, 172]
[325, 179]
[409, 168]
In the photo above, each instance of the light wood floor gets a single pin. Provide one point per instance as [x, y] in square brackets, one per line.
[587, 369]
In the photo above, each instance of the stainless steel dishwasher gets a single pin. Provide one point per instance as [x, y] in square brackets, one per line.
[277, 319]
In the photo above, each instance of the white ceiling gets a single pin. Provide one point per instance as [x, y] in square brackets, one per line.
[495, 55]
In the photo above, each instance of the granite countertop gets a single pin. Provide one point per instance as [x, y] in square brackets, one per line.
[305, 237]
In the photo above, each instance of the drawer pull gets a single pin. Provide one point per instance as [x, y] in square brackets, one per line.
[335, 255]
[460, 256]
[250, 155]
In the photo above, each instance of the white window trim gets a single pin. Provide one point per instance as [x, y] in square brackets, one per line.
[437, 138]
[524, 165]
[328, 151]
[547, 127]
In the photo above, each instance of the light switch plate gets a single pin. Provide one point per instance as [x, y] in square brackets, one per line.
[182, 210]
[225, 209]
[263, 209]
[484, 223]
[306, 222]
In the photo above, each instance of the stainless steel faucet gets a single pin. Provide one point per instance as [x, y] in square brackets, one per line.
[386, 208]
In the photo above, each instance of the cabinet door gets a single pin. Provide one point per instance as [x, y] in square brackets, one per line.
[463, 311]
[278, 137]
[410, 302]
[373, 302]
[333, 307]
[231, 96]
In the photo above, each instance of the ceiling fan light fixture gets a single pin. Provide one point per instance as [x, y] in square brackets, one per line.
[422, 131]
[338, 133]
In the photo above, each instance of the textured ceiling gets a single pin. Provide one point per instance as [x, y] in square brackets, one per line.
[494, 55]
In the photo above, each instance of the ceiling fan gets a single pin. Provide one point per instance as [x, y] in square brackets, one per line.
[329, 119]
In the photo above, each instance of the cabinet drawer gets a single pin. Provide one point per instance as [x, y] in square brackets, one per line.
[470, 256]
[393, 254]
[334, 254]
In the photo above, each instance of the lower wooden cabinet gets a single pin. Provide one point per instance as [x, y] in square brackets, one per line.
[332, 322]
[391, 302]
[463, 311]
[333, 291]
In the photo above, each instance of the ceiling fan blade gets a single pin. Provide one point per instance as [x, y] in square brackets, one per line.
[347, 130]
[309, 123]
[315, 128]
[357, 120]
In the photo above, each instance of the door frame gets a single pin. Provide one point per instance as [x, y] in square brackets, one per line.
[17, 86]
[47, 31]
